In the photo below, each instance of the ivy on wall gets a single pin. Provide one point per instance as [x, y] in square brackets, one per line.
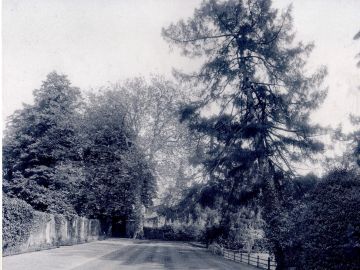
[18, 218]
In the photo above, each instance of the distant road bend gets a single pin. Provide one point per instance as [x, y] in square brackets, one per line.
[118, 254]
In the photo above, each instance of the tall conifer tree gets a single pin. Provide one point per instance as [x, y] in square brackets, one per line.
[256, 98]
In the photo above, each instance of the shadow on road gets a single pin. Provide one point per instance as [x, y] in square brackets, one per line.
[118, 254]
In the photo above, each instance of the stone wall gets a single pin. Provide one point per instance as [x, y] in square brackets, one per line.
[44, 231]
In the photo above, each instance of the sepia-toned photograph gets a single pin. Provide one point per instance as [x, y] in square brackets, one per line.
[180, 134]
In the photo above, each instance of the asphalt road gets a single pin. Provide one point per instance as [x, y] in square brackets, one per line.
[120, 254]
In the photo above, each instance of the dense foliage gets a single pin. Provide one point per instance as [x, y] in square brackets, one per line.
[151, 110]
[41, 148]
[174, 233]
[67, 156]
[329, 229]
[117, 175]
[202, 204]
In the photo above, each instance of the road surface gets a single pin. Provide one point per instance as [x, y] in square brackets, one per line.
[121, 254]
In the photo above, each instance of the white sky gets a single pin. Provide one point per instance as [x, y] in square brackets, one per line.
[97, 41]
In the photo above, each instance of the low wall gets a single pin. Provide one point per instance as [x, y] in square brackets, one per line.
[27, 230]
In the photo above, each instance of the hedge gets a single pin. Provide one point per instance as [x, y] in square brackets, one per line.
[330, 229]
[18, 218]
[174, 233]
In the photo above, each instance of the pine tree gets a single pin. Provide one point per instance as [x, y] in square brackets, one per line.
[255, 98]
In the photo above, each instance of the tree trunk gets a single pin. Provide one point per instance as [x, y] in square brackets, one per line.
[279, 257]
[272, 217]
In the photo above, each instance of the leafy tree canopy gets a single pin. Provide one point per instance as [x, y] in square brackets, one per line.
[41, 147]
[63, 155]
[118, 178]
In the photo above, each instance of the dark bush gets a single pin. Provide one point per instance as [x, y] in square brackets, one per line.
[330, 229]
[161, 233]
[17, 222]
[261, 245]
[173, 233]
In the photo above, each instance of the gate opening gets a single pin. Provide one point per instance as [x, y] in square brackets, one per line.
[118, 228]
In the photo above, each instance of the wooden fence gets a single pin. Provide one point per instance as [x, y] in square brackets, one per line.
[251, 259]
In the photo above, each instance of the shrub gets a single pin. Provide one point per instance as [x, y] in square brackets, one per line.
[189, 232]
[330, 229]
[174, 233]
[17, 223]
[157, 233]
[261, 245]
